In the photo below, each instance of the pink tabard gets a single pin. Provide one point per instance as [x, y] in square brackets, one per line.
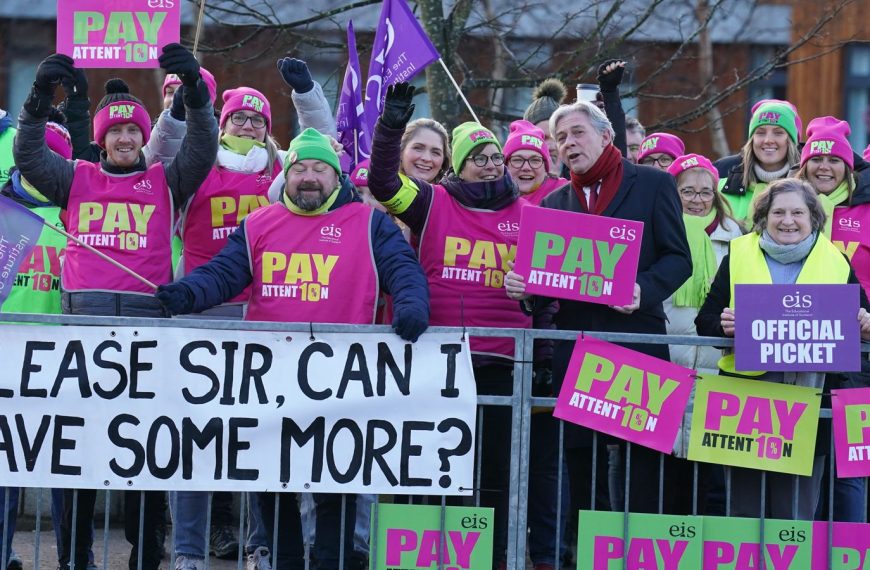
[850, 232]
[317, 269]
[544, 190]
[129, 218]
[216, 210]
[464, 254]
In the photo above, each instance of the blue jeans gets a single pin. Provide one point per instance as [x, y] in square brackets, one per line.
[189, 510]
[9, 515]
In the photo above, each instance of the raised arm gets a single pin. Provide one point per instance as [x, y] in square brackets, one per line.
[49, 172]
[311, 105]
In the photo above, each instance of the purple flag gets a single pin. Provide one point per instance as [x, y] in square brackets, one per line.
[19, 231]
[401, 50]
[350, 118]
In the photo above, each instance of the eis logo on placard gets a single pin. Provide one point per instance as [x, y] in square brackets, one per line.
[161, 4]
[849, 225]
[509, 229]
[623, 233]
[330, 234]
[797, 303]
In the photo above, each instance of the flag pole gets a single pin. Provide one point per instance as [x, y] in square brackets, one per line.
[355, 147]
[101, 255]
[198, 26]
[458, 90]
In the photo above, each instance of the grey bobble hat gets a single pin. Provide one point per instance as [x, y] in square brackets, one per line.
[547, 97]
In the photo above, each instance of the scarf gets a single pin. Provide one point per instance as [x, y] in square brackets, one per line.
[831, 201]
[321, 210]
[490, 195]
[242, 155]
[766, 176]
[24, 190]
[694, 291]
[786, 254]
[607, 170]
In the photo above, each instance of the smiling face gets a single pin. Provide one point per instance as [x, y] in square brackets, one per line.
[770, 146]
[695, 187]
[825, 173]
[423, 156]
[531, 171]
[471, 172]
[123, 142]
[310, 183]
[579, 143]
[788, 221]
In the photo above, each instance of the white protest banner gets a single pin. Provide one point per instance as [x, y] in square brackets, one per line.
[195, 409]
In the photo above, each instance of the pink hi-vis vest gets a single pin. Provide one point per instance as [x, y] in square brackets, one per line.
[317, 269]
[544, 190]
[464, 254]
[129, 218]
[217, 209]
[850, 232]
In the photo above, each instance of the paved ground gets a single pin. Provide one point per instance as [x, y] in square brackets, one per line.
[119, 551]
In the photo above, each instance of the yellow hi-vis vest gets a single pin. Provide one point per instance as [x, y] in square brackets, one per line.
[824, 265]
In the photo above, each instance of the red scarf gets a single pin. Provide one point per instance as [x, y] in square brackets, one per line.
[607, 170]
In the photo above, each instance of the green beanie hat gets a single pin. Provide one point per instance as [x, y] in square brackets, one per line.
[779, 114]
[467, 136]
[314, 146]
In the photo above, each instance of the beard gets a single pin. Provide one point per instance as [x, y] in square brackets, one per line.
[308, 201]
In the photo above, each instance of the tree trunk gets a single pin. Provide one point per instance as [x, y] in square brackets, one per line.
[444, 103]
[705, 64]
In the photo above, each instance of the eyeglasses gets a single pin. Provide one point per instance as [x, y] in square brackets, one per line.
[664, 160]
[703, 195]
[480, 160]
[518, 161]
[239, 120]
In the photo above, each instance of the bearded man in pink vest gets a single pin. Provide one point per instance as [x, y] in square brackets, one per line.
[352, 253]
[124, 208]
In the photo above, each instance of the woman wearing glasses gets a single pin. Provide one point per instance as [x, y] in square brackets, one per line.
[466, 227]
[528, 160]
[659, 150]
[709, 230]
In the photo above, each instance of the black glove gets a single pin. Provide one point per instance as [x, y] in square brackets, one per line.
[177, 108]
[610, 81]
[296, 74]
[178, 60]
[410, 322]
[51, 72]
[76, 87]
[542, 382]
[397, 106]
[176, 297]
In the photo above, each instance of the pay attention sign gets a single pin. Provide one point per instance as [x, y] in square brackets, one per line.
[117, 33]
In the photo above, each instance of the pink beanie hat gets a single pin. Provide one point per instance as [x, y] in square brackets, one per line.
[57, 138]
[246, 98]
[663, 143]
[526, 136]
[828, 136]
[207, 78]
[118, 112]
[689, 161]
[797, 118]
[360, 174]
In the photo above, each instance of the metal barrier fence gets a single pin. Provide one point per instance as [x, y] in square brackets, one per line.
[520, 402]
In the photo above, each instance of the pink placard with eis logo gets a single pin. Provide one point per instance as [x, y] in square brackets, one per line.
[117, 33]
[624, 393]
[578, 256]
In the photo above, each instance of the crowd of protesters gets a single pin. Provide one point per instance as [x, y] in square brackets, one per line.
[762, 216]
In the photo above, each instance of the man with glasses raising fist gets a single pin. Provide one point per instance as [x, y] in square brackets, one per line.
[529, 162]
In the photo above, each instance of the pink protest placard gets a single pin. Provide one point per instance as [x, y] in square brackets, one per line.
[578, 256]
[851, 411]
[850, 548]
[117, 33]
[624, 393]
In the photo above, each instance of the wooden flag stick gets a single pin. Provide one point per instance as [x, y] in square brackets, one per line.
[102, 255]
[458, 90]
[198, 26]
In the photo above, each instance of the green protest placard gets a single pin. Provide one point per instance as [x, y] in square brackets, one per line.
[409, 537]
[653, 541]
[734, 544]
[749, 423]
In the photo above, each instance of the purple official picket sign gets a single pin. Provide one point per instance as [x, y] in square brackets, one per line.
[797, 328]
[624, 393]
[851, 411]
[578, 256]
[117, 33]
